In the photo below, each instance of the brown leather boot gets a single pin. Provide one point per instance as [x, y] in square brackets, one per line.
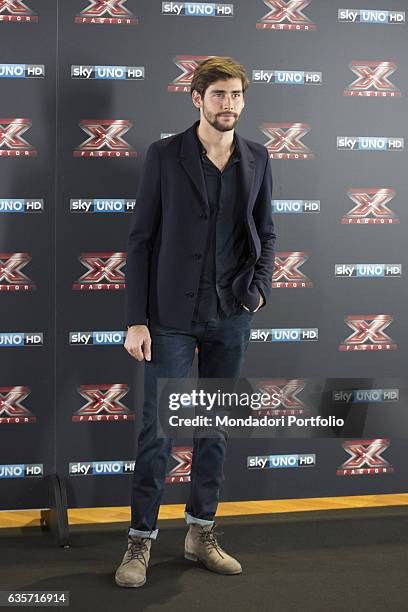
[132, 570]
[201, 545]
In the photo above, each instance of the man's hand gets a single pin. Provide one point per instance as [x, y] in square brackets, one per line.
[138, 342]
[261, 302]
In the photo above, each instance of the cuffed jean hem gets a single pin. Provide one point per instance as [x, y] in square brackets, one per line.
[143, 534]
[192, 519]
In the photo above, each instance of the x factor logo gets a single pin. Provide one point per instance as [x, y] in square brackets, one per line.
[286, 15]
[187, 65]
[284, 140]
[103, 404]
[368, 333]
[372, 80]
[284, 396]
[12, 143]
[105, 138]
[11, 276]
[370, 207]
[286, 273]
[365, 458]
[106, 11]
[101, 267]
[16, 10]
[183, 455]
[11, 409]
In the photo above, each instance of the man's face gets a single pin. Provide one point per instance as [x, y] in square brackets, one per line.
[222, 103]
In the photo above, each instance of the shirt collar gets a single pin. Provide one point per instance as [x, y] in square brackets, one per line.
[235, 155]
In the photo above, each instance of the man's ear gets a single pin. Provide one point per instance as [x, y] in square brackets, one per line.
[196, 98]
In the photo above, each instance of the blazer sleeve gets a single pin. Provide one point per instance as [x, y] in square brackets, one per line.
[143, 228]
[262, 214]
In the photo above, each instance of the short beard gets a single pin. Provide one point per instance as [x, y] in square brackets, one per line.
[213, 121]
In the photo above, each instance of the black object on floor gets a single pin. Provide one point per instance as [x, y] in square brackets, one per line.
[328, 561]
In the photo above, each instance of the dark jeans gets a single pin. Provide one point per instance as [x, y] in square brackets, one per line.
[222, 346]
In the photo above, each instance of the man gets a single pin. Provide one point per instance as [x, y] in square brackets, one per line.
[199, 264]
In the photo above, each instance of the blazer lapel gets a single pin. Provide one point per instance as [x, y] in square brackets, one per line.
[190, 160]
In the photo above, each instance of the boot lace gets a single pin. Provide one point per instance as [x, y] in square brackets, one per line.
[136, 550]
[209, 538]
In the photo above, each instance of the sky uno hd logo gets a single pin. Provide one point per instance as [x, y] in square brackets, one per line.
[107, 12]
[286, 391]
[100, 205]
[11, 276]
[285, 140]
[21, 470]
[96, 338]
[369, 143]
[13, 339]
[286, 77]
[370, 16]
[367, 270]
[12, 143]
[368, 333]
[11, 407]
[113, 73]
[286, 273]
[182, 455]
[366, 396]
[268, 462]
[21, 205]
[187, 65]
[103, 404]
[365, 458]
[17, 11]
[286, 15]
[295, 206]
[105, 141]
[372, 80]
[22, 71]
[291, 334]
[370, 207]
[101, 267]
[101, 468]
[197, 9]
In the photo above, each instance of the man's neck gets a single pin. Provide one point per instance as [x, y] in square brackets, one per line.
[215, 141]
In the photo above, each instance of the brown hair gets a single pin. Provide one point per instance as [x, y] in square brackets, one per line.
[216, 68]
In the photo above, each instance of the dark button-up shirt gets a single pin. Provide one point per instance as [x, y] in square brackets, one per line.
[227, 245]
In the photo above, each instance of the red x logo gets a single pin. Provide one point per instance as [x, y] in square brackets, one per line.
[10, 272]
[286, 391]
[286, 136]
[368, 332]
[187, 65]
[110, 137]
[10, 405]
[365, 453]
[102, 266]
[103, 399]
[372, 76]
[291, 11]
[15, 7]
[371, 202]
[183, 455]
[286, 272]
[11, 131]
[98, 8]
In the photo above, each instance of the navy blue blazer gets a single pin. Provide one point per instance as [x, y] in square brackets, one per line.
[169, 225]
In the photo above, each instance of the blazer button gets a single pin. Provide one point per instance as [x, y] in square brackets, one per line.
[197, 256]
[189, 294]
[203, 216]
